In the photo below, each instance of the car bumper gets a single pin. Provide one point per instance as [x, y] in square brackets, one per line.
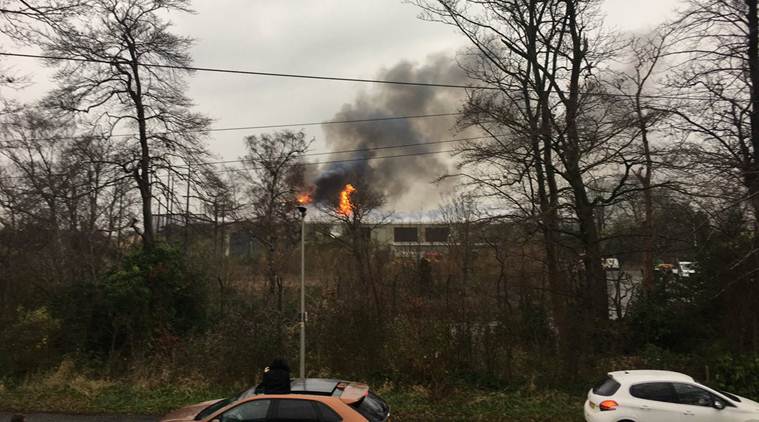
[593, 414]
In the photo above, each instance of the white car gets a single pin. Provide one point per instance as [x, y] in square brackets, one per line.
[664, 396]
[687, 268]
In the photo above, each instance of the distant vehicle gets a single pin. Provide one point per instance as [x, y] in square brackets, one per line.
[610, 264]
[663, 396]
[686, 268]
[310, 400]
[681, 269]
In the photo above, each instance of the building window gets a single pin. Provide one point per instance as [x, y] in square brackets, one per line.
[240, 244]
[436, 234]
[406, 234]
[366, 233]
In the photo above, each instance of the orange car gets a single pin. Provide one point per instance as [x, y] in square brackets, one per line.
[310, 400]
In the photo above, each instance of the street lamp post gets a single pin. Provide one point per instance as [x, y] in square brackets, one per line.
[302, 210]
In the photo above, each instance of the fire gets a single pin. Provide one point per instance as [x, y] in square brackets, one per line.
[345, 200]
[304, 198]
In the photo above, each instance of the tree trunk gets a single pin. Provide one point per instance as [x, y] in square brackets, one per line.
[649, 234]
[585, 209]
[142, 175]
[548, 197]
[752, 175]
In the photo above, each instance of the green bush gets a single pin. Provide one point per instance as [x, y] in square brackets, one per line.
[141, 306]
[737, 373]
[28, 343]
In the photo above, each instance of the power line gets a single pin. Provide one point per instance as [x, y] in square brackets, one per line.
[271, 126]
[312, 163]
[330, 122]
[370, 149]
[379, 148]
[385, 157]
[245, 72]
[335, 78]
[350, 160]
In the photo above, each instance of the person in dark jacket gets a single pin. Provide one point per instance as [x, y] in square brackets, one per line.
[276, 378]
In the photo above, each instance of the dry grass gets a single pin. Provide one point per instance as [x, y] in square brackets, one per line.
[66, 391]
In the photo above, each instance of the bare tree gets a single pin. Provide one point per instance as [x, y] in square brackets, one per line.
[126, 69]
[21, 19]
[220, 195]
[462, 212]
[27, 22]
[56, 203]
[646, 55]
[716, 71]
[518, 163]
[275, 177]
[561, 148]
[716, 78]
[359, 216]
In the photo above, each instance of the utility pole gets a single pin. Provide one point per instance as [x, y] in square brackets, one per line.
[302, 210]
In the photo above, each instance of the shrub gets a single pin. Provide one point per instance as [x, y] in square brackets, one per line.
[150, 298]
[28, 343]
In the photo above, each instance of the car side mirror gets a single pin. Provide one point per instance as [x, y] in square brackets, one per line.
[718, 404]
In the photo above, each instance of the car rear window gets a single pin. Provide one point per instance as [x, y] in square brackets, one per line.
[372, 407]
[606, 387]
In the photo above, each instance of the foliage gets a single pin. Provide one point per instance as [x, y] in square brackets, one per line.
[733, 372]
[409, 403]
[150, 298]
[674, 315]
[26, 343]
[515, 301]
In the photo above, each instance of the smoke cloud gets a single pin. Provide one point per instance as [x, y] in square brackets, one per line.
[405, 182]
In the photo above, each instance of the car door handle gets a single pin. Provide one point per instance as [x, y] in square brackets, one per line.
[689, 413]
[644, 407]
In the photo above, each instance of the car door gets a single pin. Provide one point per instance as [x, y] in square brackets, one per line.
[698, 405]
[294, 410]
[655, 402]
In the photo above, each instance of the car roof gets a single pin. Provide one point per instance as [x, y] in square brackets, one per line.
[648, 375]
[318, 386]
[347, 391]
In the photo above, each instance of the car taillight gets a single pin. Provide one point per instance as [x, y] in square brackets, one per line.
[608, 405]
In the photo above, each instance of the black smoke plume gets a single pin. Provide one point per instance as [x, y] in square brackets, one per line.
[399, 180]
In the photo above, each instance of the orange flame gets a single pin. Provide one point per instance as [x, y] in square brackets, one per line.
[345, 200]
[304, 198]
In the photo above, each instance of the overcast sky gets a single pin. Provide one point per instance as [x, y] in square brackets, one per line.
[351, 38]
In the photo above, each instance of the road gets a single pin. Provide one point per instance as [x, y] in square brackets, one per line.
[49, 417]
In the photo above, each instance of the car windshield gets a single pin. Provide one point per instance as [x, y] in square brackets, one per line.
[208, 411]
[730, 396]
